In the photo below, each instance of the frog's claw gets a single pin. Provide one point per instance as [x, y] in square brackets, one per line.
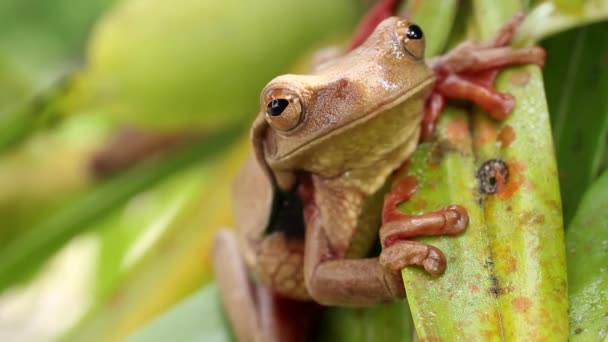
[469, 71]
[397, 251]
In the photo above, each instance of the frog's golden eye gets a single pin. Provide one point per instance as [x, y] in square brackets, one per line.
[283, 110]
[412, 38]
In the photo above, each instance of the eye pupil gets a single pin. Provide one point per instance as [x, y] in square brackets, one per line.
[414, 32]
[276, 107]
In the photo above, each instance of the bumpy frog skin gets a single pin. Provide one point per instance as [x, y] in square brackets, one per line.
[308, 203]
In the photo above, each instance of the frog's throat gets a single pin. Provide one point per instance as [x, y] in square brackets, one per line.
[428, 82]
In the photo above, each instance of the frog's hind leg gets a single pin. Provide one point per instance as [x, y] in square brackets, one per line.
[256, 312]
[235, 287]
[397, 251]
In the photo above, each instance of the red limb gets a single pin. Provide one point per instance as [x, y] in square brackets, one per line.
[382, 10]
[468, 72]
[397, 227]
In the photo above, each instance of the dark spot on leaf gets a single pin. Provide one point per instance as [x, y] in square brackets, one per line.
[495, 290]
[578, 330]
[440, 151]
[506, 136]
[492, 175]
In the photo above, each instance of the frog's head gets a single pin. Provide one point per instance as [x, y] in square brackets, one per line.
[346, 97]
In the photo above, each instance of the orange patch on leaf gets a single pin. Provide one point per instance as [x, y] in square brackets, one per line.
[520, 78]
[474, 288]
[486, 132]
[521, 303]
[506, 188]
[511, 264]
[457, 131]
[506, 136]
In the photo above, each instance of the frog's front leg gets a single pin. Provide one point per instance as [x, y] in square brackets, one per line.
[332, 280]
[397, 251]
[337, 278]
[469, 70]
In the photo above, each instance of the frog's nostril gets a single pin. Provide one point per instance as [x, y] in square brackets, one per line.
[276, 107]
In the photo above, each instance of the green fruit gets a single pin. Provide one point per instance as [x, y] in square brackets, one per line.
[202, 62]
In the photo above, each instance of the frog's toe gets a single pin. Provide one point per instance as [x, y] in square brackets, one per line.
[435, 262]
[468, 72]
[448, 221]
[457, 219]
[406, 253]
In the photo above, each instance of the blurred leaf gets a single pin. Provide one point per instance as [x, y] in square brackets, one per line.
[587, 240]
[551, 17]
[197, 318]
[31, 187]
[25, 118]
[20, 257]
[202, 62]
[134, 232]
[171, 265]
[576, 78]
[384, 322]
[39, 41]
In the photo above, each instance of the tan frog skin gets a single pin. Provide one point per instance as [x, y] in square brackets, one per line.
[330, 140]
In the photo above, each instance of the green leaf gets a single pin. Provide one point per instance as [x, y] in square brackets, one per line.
[506, 276]
[197, 318]
[576, 79]
[460, 303]
[174, 264]
[25, 118]
[27, 252]
[551, 17]
[384, 322]
[31, 189]
[587, 240]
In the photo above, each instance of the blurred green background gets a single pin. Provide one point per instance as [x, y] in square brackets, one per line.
[122, 123]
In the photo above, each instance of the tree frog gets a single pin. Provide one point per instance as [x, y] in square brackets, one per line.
[313, 198]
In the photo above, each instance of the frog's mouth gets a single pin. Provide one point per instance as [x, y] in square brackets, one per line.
[416, 94]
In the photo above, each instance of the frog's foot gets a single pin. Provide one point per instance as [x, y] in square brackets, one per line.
[256, 313]
[468, 72]
[397, 251]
